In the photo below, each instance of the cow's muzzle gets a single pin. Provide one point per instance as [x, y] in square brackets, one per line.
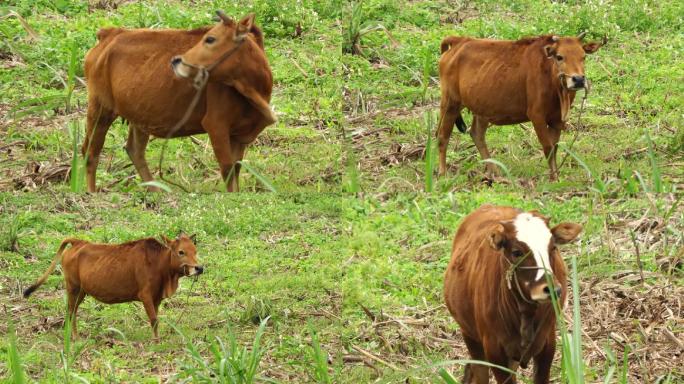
[576, 82]
[193, 270]
[180, 68]
[542, 292]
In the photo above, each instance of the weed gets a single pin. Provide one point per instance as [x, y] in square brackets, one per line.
[229, 363]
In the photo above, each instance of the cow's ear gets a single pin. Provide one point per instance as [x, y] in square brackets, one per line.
[564, 233]
[550, 51]
[244, 26]
[193, 238]
[497, 239]
[590, 48]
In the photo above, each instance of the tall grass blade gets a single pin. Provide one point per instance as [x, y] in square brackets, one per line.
[656, 176]
[320, 361]
[77, 172]
[13, 359]
[446, 376]
[599, 185]
[71, 76]
[429, 154]
[158, 184]
[501, 165]
[258, 176]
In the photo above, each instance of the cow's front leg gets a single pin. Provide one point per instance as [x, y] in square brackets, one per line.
[548, 137]
[220, 142]
[151, 309]
[542, 361]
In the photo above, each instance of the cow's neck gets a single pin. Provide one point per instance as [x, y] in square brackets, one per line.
[169, 280]
[565, 97]
[170, 285]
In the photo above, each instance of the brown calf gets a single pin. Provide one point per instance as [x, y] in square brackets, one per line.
[504, 268]
[143, 270]
[130, 73]
[508, 82]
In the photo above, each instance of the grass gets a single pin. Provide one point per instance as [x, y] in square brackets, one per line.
[349, 252]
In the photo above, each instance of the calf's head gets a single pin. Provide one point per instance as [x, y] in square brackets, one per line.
[220, 48]
[528, 246]
[183, 258]
[568, 53]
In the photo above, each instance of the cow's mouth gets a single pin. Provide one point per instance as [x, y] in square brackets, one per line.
[181, 69]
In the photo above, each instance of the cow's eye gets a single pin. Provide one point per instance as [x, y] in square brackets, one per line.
[209, 39]
[559, 57]
[517, 253]
[181, 253]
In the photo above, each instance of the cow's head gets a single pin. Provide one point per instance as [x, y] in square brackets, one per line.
[529, 247]
[568, 53]
[219, 49]
[183, 255]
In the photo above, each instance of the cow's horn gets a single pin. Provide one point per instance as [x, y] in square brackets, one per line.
[581, 35]
[222, 15]
[554, 38]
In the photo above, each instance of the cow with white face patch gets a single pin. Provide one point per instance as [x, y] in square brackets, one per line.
[505, 270]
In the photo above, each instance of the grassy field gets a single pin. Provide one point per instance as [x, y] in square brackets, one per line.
[347, 259]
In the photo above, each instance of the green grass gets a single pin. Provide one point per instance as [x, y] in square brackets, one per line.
[349, 252]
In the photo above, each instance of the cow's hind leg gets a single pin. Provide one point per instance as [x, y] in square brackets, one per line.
[99, 120]
[477, 132]
[135, 147]
[449, 113]
[475, 373]
[75, 296]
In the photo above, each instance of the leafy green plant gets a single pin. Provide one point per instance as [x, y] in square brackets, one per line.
[70, 352]
[357, 28]
[319, 358]
[228, 363]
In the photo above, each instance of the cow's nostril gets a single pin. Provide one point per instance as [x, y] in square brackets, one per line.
[199, 269]
[546, 290]
[559, 290]
[176, 60]
[578, 79]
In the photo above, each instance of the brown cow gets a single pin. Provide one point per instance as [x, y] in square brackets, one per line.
[497, 290]
[130, 74]
[508, 82]
[143, 270]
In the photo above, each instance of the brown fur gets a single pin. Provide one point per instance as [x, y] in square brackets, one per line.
[143, 270]
[129, 75]
[508, 82]
[496, 324]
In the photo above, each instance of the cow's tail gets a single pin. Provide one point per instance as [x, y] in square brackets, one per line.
[451, 42]
[460, 124]
[51, 268]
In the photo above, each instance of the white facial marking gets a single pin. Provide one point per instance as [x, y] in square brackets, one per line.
[533, 231]
[570, 83]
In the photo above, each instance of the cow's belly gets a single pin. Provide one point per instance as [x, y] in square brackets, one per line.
[493, 96]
